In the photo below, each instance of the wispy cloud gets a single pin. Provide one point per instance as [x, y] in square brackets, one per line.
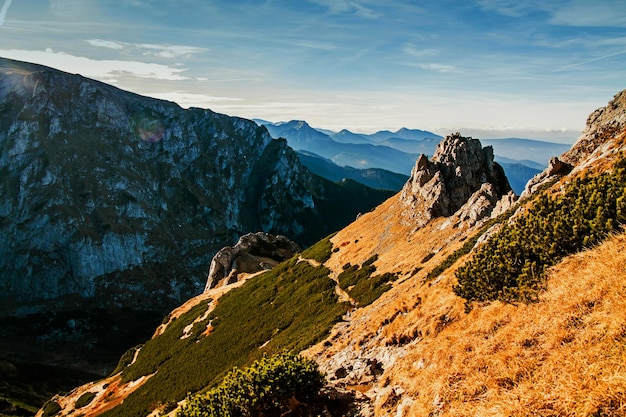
[4, 10]
[518, 8]
[598, 13]
[438, 67]
[600, 58]
[348, 7]
[413, 51]
[105, 70]
[186, 99]
[160, 50]
[170, 51]
[105, 44]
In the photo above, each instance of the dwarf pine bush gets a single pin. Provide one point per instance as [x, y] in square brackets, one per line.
[511, 265]
[265, 388]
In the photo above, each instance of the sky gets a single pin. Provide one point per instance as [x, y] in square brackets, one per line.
[487, 68]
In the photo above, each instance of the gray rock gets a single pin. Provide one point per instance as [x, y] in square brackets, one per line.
[253, 252]
[459, 168]
[556, 168]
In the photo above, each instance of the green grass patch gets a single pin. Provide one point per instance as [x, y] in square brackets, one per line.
[361, 283]
[50, 408]
[321, 251]
[290, 307]
[85, 399]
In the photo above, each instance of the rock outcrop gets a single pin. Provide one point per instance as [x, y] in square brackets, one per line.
[556, 168]
[253, 252]
[459, 168]
[602, 140]
[602, 126]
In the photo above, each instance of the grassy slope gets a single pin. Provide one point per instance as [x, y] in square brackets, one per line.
[562, 355]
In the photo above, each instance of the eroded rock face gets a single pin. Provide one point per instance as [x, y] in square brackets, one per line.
[459, 168]
[556, 168]
[123, 200]
[602, 140]
[602, 126]
[253, 252]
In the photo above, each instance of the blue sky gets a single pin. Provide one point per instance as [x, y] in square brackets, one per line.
[488, 68]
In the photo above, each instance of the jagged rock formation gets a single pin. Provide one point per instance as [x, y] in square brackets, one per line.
[603, 138]
[253, 252]
[602, 125]
[556, 168]
[459, 168]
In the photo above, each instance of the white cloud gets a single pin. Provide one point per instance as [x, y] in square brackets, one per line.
[438, 67]
[105, 44]
[104, 70]
[4, 10]
[412, 50]
[589, 61]
[160, 50]
[185, 99]
[598, 13]
[518, 8]
[170, 51]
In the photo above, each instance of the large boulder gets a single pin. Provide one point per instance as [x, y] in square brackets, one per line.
[253, 252]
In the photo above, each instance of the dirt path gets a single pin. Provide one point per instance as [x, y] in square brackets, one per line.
[344, 297]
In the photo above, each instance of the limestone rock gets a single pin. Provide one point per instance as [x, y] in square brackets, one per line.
[602, 125]
[556, 168]
[602, 139]
[459, 168]
[252, 253]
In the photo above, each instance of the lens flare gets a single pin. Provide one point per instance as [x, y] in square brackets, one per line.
[150, 130]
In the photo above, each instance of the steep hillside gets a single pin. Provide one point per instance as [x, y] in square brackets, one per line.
[295, 304]
[113, 205]
[376, 304]
[560, 355]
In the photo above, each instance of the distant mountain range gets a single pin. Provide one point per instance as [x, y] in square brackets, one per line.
[349, 152]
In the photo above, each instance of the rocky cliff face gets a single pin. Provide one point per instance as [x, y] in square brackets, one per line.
[459, 168]
[123, 199]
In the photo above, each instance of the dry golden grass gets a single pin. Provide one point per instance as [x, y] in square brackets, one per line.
[562, 356]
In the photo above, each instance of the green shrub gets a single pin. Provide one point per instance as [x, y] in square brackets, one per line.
[51, 408]
[511, 265]
[263, 389]
[85, 399]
